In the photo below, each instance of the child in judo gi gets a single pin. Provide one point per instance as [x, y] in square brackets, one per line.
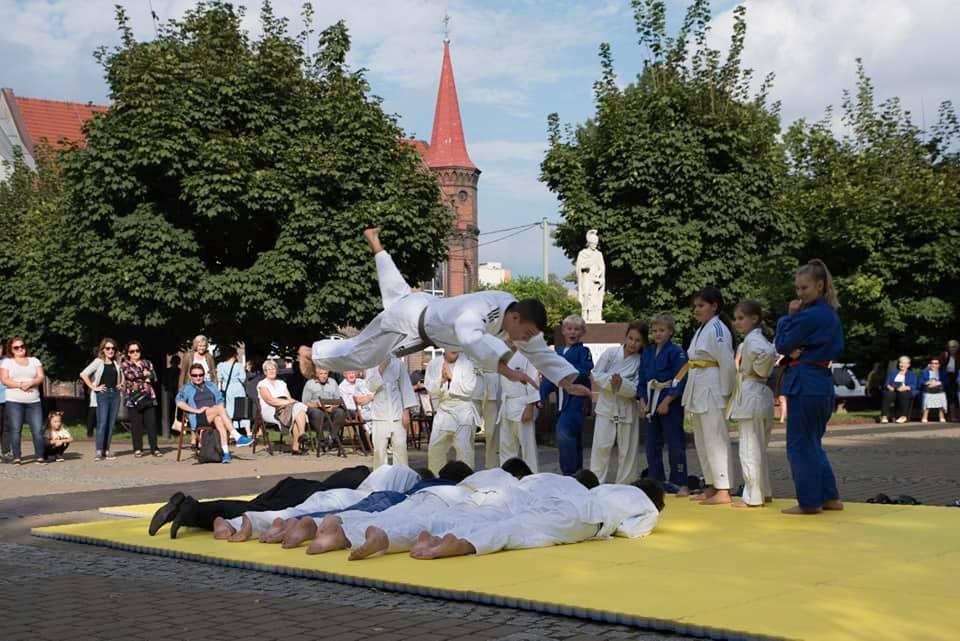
[451, 380]
[660, 393]
[572, 409]
[751, 406]
[518, 412]
[812, 336]
[710, 379]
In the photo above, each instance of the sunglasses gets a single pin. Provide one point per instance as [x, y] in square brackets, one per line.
[133, 350]
[196, 376]
[109, 348]
[20, 346]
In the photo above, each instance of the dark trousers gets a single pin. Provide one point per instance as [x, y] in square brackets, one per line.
[899, 399]
[50, 451]
[950, 386]
[91, 420]
[812, 475]
[570, 439]
[289, 492]
[667, 429]
[140, 420]
[328, 425]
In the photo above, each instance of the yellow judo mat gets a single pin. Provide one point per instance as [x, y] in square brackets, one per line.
[871, 572]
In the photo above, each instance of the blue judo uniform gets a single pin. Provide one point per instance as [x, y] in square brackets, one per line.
[382, 500]
[572, 409]
[808, 386]
[668, 428]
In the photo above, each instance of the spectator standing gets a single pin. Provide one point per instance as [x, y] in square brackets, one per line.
[198, 354]
[933, 390]
[899, 390]
[22, 375]
[232, 375]
[103, 377]
[950, 367]
[275, 399]
[139, 375]
[56, 437]
[4, 433]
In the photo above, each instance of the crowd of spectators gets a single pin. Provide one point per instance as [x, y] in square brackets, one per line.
[905, 390]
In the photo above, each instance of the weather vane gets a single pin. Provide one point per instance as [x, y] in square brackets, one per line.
[446, 26]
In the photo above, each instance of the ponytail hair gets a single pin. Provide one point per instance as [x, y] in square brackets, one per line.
[818, 271]
[712, 296]
[750, 307]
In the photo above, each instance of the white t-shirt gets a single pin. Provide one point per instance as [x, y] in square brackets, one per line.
[20, 373]
[277, 388]
[357, 388]
[201, 359]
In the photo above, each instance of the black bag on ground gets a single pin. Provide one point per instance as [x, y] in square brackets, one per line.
[210, 449]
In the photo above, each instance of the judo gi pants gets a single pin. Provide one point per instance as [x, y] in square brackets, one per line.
[812, 475]
[402, 522]
[394, 432]
[516, 437]
[627, 436]
[488, 411]
[712, 440]
[441, 441]
[570, 440]
[754, 436]
[667, 429]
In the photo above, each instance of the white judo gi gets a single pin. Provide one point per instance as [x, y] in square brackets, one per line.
[486, 396]
[618, 416]
[710, 381]
[397, 478]
[752, 408]
[455, 417]
[472, 324]
[517, 436]
[392, 393]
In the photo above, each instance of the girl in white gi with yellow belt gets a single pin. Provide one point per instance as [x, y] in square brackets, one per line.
[450, 381]
[518, 412]
[752, 403]
[710, 380]
[617, 373]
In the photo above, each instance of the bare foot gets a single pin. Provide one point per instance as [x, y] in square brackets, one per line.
[719, 497]
[302, 530]
[448, 546]
[424, 541]
[277, 530]
[833, 504]
[376, 540]
[796, 509]
[708, 492]
[683, 491]
[740, 504]
[372, 234]
[245, 531]
[222, 530]
[328, 539]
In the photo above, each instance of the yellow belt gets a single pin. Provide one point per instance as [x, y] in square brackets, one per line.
[693, 364]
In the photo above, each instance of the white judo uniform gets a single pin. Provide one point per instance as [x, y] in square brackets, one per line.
[752, 408]
[455, 417]
[392, 393]
[710, 381]
[486, 396]
[618, 416]
[397, 478]
[472, 324]
[518, 438]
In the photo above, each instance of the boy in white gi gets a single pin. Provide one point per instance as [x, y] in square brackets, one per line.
[473, 323]
[752, 403]
[486, 397]
[617, 373]
[518, 411]
[393, 396]
[450, 381]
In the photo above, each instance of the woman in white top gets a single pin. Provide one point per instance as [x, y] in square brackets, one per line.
[104, 378]
[22, 375]
[274, 395]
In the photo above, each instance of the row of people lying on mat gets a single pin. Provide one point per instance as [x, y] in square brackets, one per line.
[459, 512]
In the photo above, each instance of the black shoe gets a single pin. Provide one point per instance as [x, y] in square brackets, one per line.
[881, 499]
[166, 513]
[906, 499]
[186, 516]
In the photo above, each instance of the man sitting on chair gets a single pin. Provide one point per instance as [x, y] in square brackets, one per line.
[325, 409]
[353, 390]
[203, 403]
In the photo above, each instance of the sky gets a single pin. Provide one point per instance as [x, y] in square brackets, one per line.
[515, 62]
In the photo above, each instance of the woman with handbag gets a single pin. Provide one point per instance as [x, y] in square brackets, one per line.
[141, 398]
[231, 376]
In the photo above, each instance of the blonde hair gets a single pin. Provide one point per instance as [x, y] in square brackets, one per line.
[46, 428]
[103, 343]
[270, 364]
[817, 270]
[199, 338]
[665, 320]
[904, 358]
[576, 319]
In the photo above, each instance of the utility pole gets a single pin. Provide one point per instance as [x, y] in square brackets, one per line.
[546, 241]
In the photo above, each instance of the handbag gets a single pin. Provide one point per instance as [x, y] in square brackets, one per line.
[284, 415]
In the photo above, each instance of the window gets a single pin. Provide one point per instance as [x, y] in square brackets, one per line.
[435, 286]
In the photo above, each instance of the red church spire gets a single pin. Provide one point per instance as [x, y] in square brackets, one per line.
[448, 147]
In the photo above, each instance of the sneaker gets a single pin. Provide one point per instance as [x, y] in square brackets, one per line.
[110, 456]
[60, 459]
[41, 461]
[98, 456]
[226, 457]
[244, 441]
[6, 456]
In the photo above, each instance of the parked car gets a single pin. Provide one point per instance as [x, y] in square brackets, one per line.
[850, 390]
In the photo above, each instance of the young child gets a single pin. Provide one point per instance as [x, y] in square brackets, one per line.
[710, 380]
[572, 408]
[617, 374]
[56, 437]
[518, 411]
[812, 336]
[752, 403]
[659, 395]
[932, 388]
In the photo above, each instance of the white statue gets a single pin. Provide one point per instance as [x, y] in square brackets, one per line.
[591, 279]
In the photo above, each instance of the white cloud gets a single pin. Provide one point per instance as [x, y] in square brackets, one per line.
[500, 150]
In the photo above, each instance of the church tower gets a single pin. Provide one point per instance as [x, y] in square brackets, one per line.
[449, 162]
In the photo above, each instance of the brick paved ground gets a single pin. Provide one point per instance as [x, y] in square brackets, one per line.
[107, 594]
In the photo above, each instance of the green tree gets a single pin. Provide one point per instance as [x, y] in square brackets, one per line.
[680, 171]
[881, 205]
[226, 188]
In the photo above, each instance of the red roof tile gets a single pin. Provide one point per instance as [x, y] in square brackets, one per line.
[448, 147]
[53, 120]
[420, 146]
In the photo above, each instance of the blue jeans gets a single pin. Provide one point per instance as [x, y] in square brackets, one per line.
[17, 415]
[108, 406]
[812, 475]
[667, 429]
[570, 440]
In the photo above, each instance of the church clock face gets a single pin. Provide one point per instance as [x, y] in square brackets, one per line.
[462, 196]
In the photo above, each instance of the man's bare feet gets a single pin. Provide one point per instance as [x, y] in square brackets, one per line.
[683, 491]
[447, 546]
[796, 509]
[301, 530]
[278, 530]
[719, 497]
[222, 530]
[330, 537]
[245, 531]
[833, 504]
[740, 504]
[706, 494]
[375, 541]
[424, 541]
[372, 234]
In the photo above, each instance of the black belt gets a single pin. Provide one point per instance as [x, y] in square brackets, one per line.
[424, 343]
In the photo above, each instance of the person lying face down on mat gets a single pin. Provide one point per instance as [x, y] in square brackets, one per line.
[474, 324]
[457, 483]
[187, 511]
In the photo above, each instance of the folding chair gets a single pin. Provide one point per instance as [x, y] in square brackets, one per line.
[423, 419]
[358, 425]
[194, 434]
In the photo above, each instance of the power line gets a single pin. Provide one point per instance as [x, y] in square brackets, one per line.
[497, 231]
[522, 229]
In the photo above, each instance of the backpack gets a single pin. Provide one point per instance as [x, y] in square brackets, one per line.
[210, 449]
